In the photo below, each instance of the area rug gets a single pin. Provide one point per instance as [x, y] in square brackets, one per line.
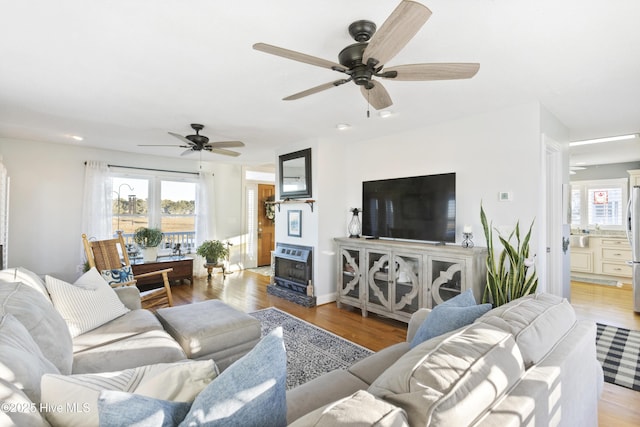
[618, 350]
[311, 351]
[265, 271]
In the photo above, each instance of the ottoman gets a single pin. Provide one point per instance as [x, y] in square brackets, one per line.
[211, 330]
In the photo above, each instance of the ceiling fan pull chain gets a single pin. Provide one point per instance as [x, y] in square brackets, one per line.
[368, 105]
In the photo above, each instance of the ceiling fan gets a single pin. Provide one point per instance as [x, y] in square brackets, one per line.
[366, 58]
[199, 142]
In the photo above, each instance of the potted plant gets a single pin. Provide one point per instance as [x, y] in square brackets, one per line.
[513, 274]
[212, 250]
[148, 240]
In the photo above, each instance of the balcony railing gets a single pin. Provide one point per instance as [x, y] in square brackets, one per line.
[168, 246]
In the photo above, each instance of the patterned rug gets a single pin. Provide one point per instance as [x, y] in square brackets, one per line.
[619, 352]
[311, 351]
[265, 270]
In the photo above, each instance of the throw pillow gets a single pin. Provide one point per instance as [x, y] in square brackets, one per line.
[118, 409]
[29, 278]
[45, 325]
[118, 275]
[87, 304]
[15, 399]
[250, 392]
[453, 379]
[21, 361]
[181, 381]
[452, 314]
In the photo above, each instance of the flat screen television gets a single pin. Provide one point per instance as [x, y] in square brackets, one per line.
[411, 208]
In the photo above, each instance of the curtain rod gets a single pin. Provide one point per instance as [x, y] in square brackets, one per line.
[149, 169]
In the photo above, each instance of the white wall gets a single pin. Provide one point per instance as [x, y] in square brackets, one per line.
[46, 199]
[489, 153]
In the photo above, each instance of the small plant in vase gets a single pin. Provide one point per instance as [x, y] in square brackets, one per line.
[148, 239]
[213, 251]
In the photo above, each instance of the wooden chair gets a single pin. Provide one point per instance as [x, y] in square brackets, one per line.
[112, 254]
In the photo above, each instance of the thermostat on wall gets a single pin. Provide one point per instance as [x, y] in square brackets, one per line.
[505, 196]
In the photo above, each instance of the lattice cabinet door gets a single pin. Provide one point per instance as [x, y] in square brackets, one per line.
[407, 283]
[447, 279]
[350, 289]
[378, 281]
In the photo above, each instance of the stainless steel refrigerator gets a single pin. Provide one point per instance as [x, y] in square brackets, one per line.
[633, 234]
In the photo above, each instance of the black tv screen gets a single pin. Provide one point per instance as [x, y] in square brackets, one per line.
[412, 208]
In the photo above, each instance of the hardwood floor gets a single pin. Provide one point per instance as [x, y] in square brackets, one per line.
[246, 291]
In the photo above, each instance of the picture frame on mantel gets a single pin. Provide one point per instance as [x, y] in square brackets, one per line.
[294, 223]
[295, 175]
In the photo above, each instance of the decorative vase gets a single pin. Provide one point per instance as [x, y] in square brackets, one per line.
[150, 254]
[354, 225]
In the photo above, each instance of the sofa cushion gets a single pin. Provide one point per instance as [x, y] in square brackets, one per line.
[21, 361]
[19, 410]
[452, 379]
[452, 314]
[29, 278]
[145, 348]
[251, 392]
[45, 325]
[130, 324]
[87, 304]
[370, 368]
[536, 321]
[359, 409]
[180, 381]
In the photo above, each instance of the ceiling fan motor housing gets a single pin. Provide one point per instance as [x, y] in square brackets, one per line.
[351, 57]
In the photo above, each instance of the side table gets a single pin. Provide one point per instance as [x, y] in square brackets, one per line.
[182, 269]
[211, 266]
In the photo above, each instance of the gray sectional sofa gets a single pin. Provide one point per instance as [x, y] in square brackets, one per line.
[527, 363]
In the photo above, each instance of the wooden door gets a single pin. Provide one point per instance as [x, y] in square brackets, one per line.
[266, 226]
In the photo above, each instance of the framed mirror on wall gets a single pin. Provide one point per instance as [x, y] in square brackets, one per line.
[295, 175]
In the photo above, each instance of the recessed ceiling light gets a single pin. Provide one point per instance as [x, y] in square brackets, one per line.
[384, 114]
[606, 139]
[77, 138]
[343, 126]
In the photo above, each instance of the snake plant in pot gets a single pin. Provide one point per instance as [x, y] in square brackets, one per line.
[512, 274]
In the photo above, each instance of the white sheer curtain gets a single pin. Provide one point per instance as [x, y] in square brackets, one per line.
[205, 217]
[97, 208]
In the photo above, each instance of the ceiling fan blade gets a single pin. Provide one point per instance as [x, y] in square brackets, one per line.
[297, 56]
[224, 152]
[226, 144]
[377, 96]
[182, 138]
[400, 27]
[315, 89]
[161, 145]
[440, 71]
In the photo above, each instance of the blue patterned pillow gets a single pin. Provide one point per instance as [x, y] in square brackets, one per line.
[452, 314]
[249, 393]
[118, 275]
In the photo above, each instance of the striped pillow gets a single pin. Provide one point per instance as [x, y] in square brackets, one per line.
[180, 381]
[87, 304]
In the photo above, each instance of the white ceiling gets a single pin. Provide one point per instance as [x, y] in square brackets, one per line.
[123, 72]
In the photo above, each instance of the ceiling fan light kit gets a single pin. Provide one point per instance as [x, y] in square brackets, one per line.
[365, 59]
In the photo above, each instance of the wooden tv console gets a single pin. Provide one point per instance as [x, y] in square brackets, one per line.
[396, 278]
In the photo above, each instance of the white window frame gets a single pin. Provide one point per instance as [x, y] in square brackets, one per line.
[585, 186]
[154, 191]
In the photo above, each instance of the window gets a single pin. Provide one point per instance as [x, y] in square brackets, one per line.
[598, 204]
[151, 201]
